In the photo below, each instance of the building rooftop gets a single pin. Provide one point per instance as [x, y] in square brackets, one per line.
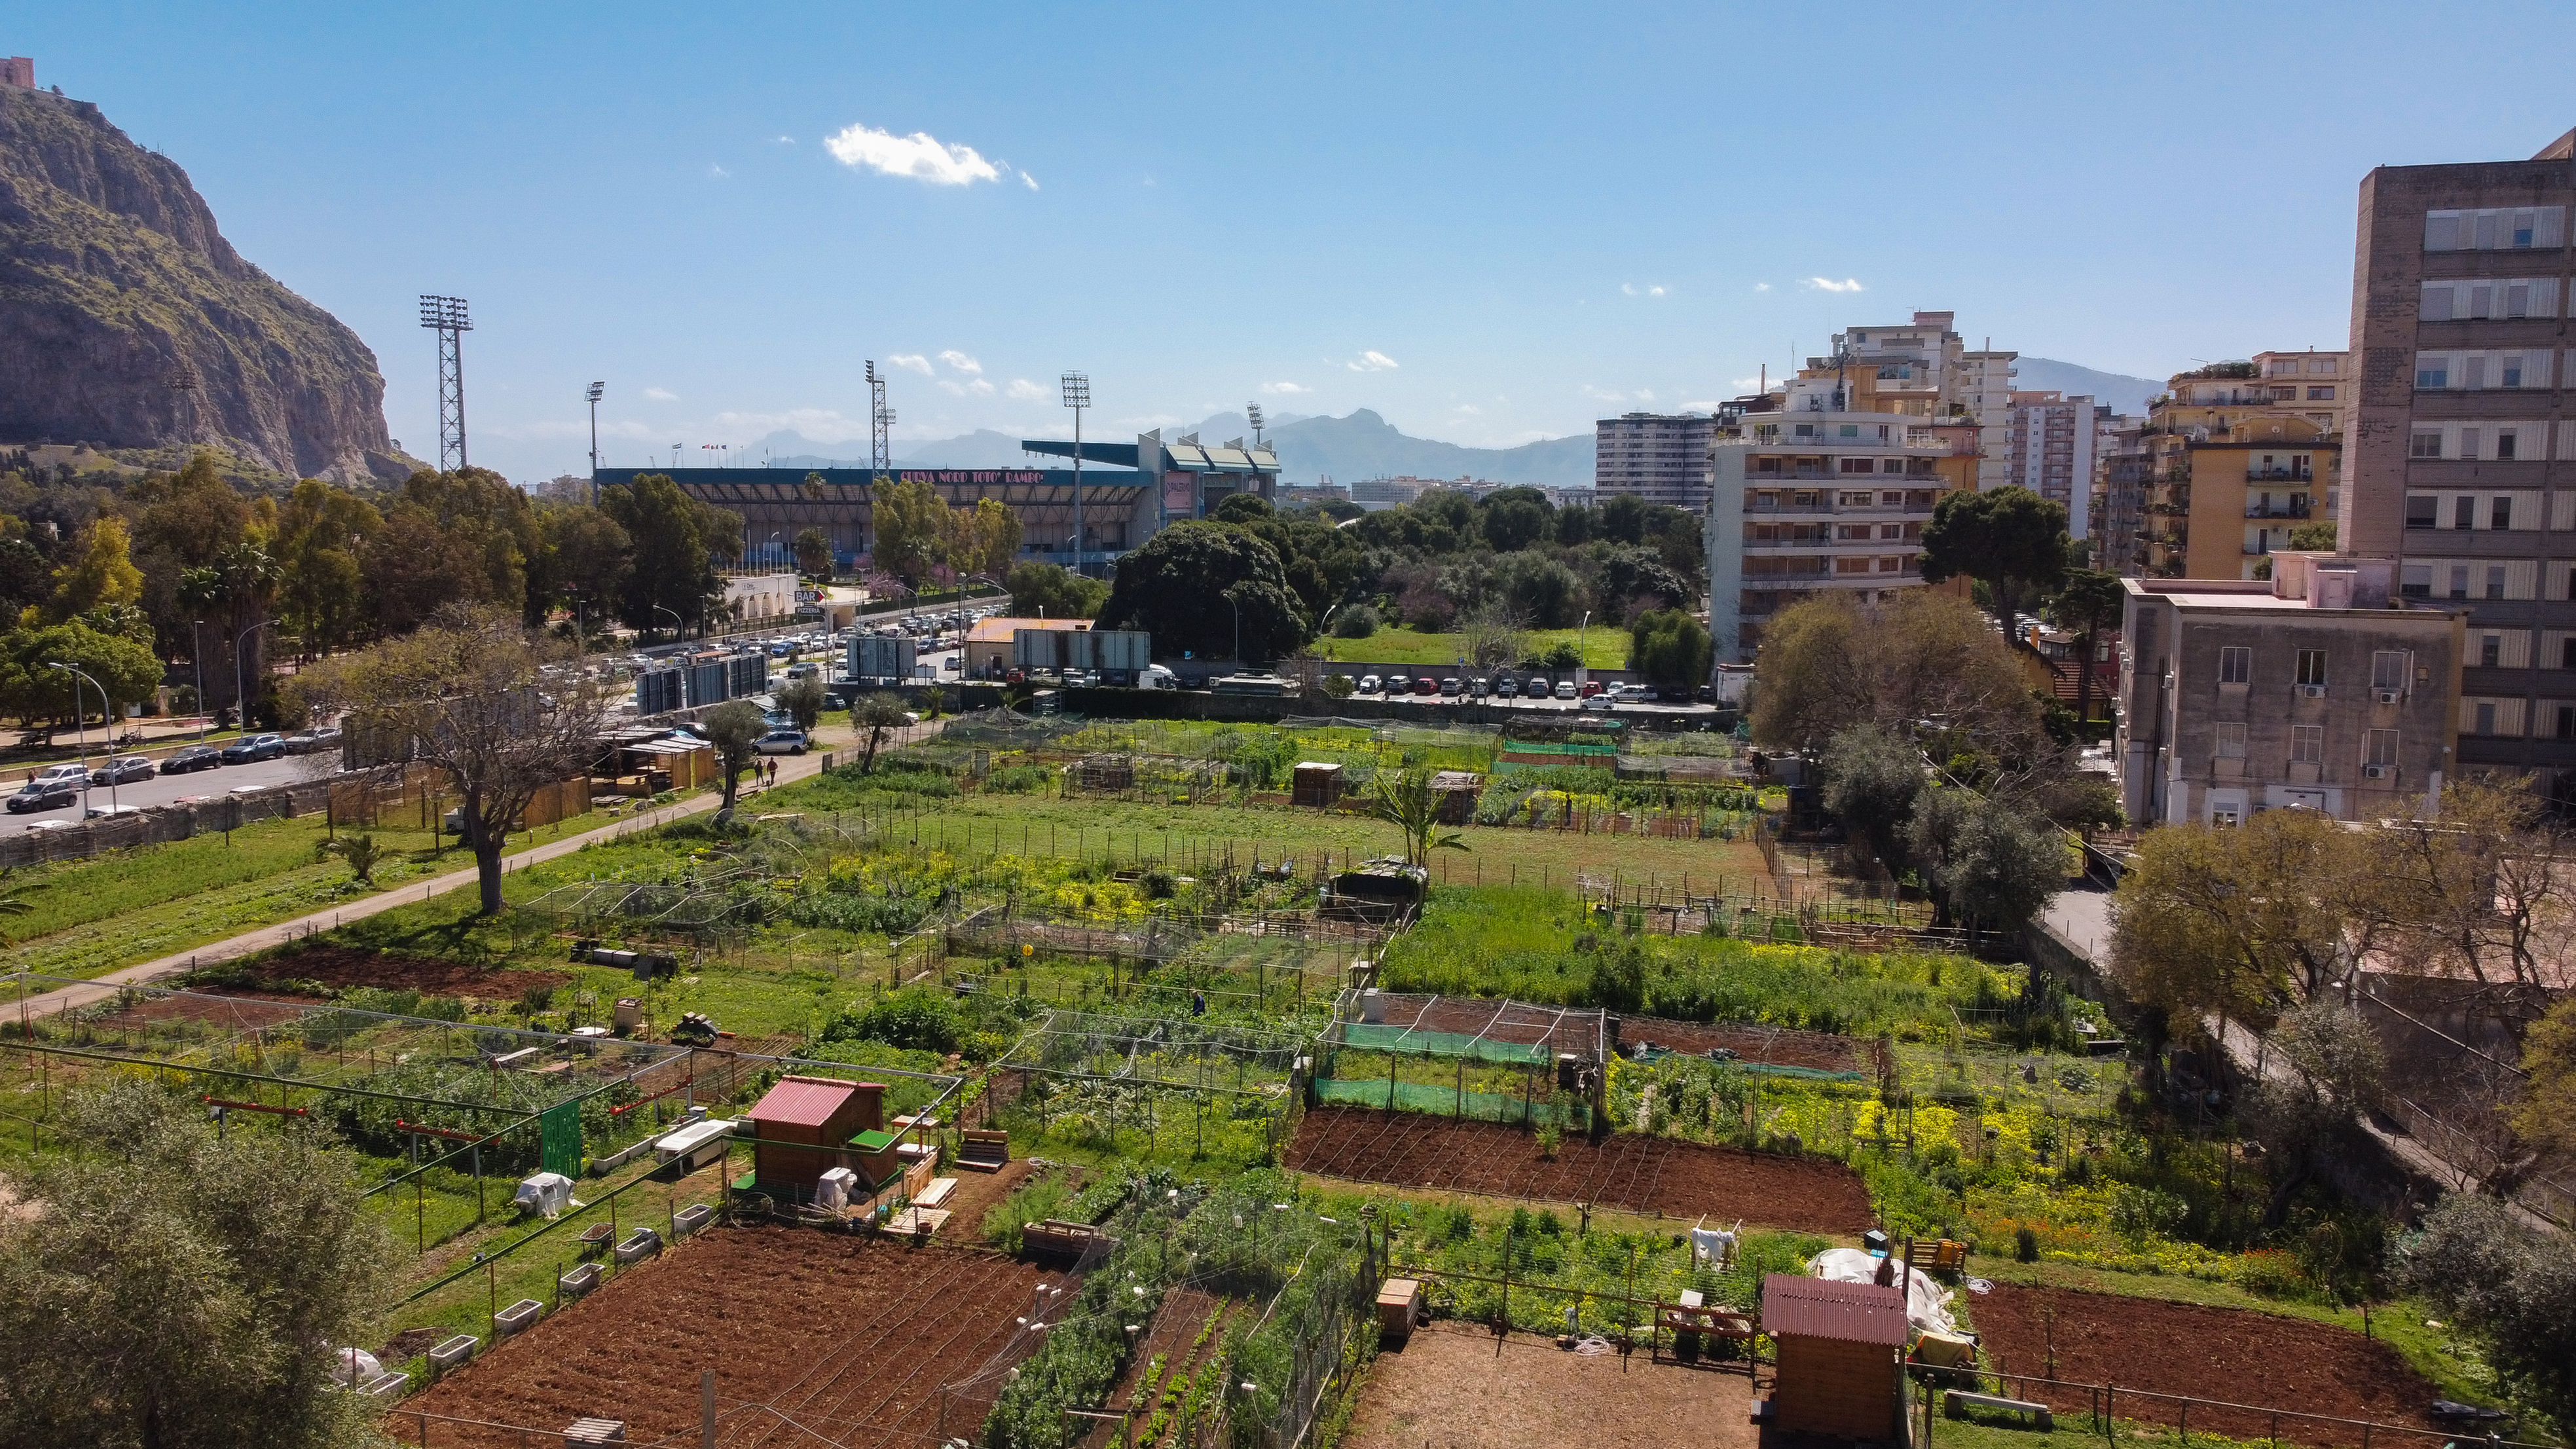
[1850, 1312]
[998, 630]
[805, 1101]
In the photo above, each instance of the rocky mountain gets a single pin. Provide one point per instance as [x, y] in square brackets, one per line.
[2126, 395]
[115, 282]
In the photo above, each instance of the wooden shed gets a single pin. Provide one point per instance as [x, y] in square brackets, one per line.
[1456, 790]
[836, 1117]
[1318, 785]
[1841, 1350]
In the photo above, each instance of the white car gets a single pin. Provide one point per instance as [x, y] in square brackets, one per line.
[1565, 689]
[1368, 684]
[1603, 700]
[781, 742]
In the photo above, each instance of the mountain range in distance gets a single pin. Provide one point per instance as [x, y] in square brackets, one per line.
[1365, 445]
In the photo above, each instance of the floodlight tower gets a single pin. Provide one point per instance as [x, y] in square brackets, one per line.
[1252, 411]
[880, 420]
[1077, 396]
[446, 317]
[596, 389]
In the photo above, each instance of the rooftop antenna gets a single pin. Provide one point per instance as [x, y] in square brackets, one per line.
[1077, 396]
[446, 317]
[880, 418]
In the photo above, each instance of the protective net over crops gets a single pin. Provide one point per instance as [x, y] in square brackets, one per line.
[1183, 1054]
[1495, 1061]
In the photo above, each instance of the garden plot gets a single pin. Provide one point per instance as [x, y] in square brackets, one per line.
[342, 968]
[1777, 1046]
[2228, 1354]
[856, 1341]
[1449, 1386]
[1645, 1174]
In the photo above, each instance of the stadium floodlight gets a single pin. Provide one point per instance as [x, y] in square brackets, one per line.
[1077, 396]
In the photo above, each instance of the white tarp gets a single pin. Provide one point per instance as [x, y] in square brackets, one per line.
[834, 1189]
[1927, 1304]
[545, 1193]
[358, 1368]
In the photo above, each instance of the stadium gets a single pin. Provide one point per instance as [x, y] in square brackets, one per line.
[1129, 492]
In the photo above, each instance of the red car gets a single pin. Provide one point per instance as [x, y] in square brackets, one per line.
[1426, 685]
[1591, 687]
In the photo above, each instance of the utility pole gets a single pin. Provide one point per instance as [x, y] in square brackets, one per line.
[446, 317]
[1077, 396]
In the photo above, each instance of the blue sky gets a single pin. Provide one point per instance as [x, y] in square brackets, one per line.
[1491, 223]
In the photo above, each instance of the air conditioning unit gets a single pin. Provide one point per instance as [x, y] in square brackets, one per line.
[2312, 691]
[2388, 696]
[2378, 772]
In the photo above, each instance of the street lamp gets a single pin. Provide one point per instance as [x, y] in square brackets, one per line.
[81, 721]
[596, 389]
[241, 696]
[774, 551]
[1238, 626]
[677, 623]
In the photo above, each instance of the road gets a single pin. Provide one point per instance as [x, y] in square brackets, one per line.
[163, 790]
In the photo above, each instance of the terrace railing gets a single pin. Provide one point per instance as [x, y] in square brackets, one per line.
[2104, 1404]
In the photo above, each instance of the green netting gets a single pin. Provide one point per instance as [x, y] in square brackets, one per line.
[1360, 1036]
[1763, 1069]
[1434, 1101]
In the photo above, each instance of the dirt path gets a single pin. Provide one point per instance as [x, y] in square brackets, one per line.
[1448, 1388]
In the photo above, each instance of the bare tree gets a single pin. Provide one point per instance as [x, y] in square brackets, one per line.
[483, 700]
[2481, 886]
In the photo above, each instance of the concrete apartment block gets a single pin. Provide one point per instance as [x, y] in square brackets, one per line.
[1658, 457]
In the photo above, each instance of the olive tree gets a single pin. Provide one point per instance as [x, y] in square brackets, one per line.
[489, 704]
[735, 730]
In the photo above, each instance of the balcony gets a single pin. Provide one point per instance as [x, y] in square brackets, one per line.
[2279, 475]
[2297, 508]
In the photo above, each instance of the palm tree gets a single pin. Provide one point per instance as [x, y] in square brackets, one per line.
[1406, 800]
[360, 851]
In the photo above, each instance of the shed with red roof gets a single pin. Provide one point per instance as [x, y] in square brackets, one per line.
[805, 1127]
[1841, 1349]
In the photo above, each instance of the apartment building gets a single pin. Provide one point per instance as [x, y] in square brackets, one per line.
[2236, 458]
[1923, 368]
[1814, 498]
[1659, 457]
[2120, 471]
[2463, 466]
[2048, 449]
[2316, 690]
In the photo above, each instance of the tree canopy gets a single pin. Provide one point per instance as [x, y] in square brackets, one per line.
[1191, 582]
[2010, 539]
[1671, 648]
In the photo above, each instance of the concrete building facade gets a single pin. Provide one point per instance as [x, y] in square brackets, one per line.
[2048, 448]
[2313, 690]
[1810, 499]
[2235, 457]
[1658, 457]
[2462, 467]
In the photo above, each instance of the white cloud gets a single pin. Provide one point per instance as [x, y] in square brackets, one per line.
[980, 387]
[910, 362]
[1634, 290]
[1596, 394]
[957, 389]
[1828, 284]
[1702, 405]
[1371, 360]
[1028, 181]
[1468, 408]
[1645, 394]
[1762, 286]
[920, 156]
[661, 394]
[961, 362]
[716, 172]
[1027, 391]
[782, 140]
[823, 425]
[1285, 389]
[1746, 384]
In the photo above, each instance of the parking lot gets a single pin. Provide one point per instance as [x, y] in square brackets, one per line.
[168, 789]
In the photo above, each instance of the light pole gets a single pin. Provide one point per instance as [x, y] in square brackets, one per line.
[197, 659]
[241, 697]
[80, 721]
[1582, 656]
[677, 623]
[1077, 396]
[1237, 606]
[596, 389]
[774, 551]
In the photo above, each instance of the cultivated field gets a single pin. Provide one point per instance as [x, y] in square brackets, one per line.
[1777, 1046]
[1647, 1174]
[2227, 1354]
[851, 1339]
[1450, 1388]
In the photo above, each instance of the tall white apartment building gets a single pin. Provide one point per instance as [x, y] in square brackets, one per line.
[2049, 446]
[1658, 457]
[1924, 369]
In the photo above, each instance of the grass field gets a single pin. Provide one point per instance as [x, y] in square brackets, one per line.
[1604, 647]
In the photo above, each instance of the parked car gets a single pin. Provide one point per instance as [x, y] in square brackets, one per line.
[73, 773]
[1480, 686]
[1565, 689]
[1629, 693]
[781, 742]
[1507, 688]
[1451, 687]
[121, 770]
[251, 748]
[1591, 687]
[1600, 701]
[43, 794]
[1426, 685]
[1369, 684]
[110, 812]
[194, 757]
[313, 741]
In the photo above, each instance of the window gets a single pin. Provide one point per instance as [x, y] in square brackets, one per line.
[2321, 367]
[2426, 443]
[2312, 666]
[2235, 664]
[1858, 465]
[2506, 440]
[1892, 465]
[2423, 510]
[1891, 563]
[2321, 394]
[2379, 747]
[2464, 511]
[2469, 444]
[2231, 740]
[2567, 721]
[2500, 513]
[2490, 650]
[2432, 372]
[2567, 652]
[2509, 370]
[1858, 499]
[1851, 565]
[1851, 430]
[2307, 744]
[2459, 581]
[2388, 668]
[2495, 581]
[2415, 581]
[1852, 532]
[2484, 718]
[1891, 530]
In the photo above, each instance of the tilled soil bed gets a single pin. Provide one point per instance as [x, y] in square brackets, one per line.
[2229, 1354]
[1644, 1174]
[849, 1337]
[344, 968]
